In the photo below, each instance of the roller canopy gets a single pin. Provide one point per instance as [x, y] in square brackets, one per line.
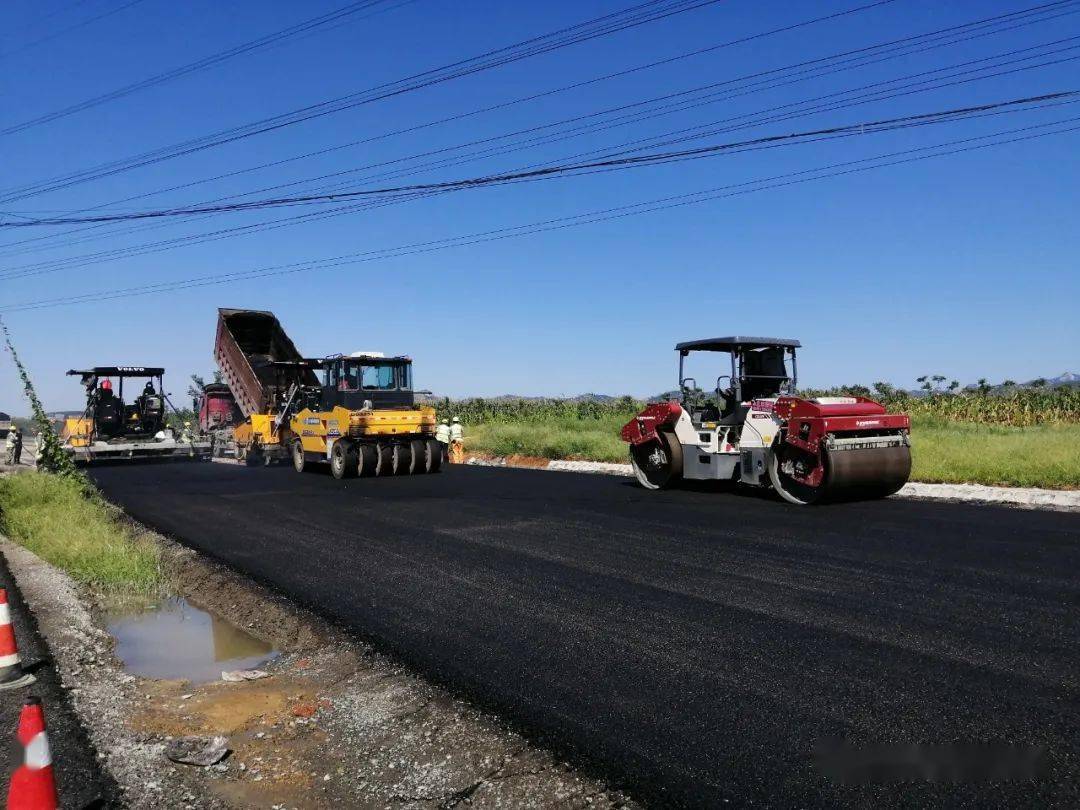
[735, 343]
[120, 371]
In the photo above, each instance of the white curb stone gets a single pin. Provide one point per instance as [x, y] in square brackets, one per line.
[1016, 496]
[591, 467]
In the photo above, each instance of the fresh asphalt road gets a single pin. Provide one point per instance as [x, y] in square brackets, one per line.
[698, 646]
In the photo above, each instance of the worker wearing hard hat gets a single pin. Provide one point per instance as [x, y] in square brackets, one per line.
[457, 442]
[185, 434]
[14, 446]
[442, 436]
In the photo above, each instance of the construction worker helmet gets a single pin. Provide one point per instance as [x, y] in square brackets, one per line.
[456, 419]
[187, 424]
[445, 422]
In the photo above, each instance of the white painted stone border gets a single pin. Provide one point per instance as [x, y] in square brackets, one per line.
[1065, 500]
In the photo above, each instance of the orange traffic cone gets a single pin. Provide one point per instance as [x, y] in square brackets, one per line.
[33, 786]
[12, 675]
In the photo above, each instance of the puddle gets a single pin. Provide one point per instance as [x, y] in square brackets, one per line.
[179, 640]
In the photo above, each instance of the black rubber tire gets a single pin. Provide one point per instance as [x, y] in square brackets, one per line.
[368, 460]
[402, 459]
[419, 451]
[386, 459]
[434, 455]
[298, 460]
[343, 459]
[657, 463]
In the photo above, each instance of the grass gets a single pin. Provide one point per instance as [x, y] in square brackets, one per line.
[966, 452]
[54, 518]
[943, 451]
[551, 437]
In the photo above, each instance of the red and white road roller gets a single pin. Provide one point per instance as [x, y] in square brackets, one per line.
[753, 429]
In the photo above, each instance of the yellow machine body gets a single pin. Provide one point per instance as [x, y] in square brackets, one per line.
[259, 431]
[316, 428]
[77, 431]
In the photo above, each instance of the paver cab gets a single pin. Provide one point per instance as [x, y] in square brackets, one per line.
[752, 428]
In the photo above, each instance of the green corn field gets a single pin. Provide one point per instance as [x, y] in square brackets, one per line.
[1019, 407]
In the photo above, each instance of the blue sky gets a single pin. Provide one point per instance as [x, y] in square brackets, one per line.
[963, 265]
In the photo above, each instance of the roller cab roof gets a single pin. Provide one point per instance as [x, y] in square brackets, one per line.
[735, 343]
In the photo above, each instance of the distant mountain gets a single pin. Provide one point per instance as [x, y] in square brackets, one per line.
[1068, 378]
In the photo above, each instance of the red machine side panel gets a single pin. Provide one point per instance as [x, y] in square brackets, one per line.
[643, 427]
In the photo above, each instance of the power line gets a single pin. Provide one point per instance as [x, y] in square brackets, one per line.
[745, 121]
[64, 9]
[544, 94]
[574, 169]
[697, 131]
[314, 24]
[605, 25]
[902, 157]
[511, 103]
[165, 245]
[69, 29]
[205, 237]
[940, 38]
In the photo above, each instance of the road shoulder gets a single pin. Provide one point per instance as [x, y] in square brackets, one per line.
[81, 779]
[335, 724]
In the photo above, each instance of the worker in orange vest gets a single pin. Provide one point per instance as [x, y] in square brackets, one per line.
[457, 442]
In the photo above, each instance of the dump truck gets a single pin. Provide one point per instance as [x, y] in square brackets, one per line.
[260, 365]
[113, 427]
[752, 428]
[357, 412]
[218, 417]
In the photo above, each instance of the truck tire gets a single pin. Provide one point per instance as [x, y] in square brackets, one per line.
[419, 456]
[434, 455]
[343, 460]
[402, 459]
[385, 466]
[368, 460]
[298, 460]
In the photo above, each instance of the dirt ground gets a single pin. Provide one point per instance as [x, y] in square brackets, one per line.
[334, 725]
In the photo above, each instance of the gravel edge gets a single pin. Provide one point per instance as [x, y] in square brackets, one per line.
[102, 694]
